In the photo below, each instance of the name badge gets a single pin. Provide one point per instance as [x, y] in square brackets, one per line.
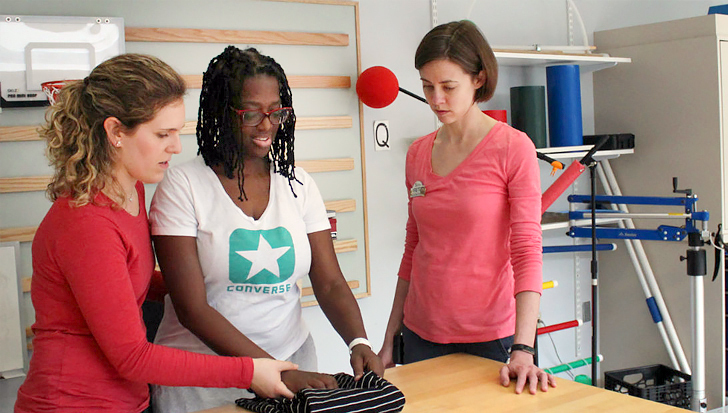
[418, 189]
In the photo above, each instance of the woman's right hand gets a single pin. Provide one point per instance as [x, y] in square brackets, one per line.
[297, 380]
[267, 375]
[385, 354]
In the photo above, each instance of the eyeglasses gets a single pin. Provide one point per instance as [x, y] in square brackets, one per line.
[253, 117]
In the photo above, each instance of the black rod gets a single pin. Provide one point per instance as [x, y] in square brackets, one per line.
[588, 157]
[548, 159]
[407, 92]
[594, 277]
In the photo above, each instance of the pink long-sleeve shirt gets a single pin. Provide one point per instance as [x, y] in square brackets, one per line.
[473, 239]
[91, 272]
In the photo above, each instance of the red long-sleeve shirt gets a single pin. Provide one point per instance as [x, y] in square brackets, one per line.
[473, 239]
[91, 273]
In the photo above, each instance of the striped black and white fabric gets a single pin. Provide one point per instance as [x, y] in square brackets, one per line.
[371, 394]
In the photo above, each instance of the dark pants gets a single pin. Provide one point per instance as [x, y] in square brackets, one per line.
[418, 349]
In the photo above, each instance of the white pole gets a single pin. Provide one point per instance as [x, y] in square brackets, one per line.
[649, 276]
[698, 403]
[640, 274]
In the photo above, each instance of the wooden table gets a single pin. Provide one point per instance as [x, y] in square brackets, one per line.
[464, 383]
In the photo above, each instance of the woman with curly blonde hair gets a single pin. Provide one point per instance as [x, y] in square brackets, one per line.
[92, 256]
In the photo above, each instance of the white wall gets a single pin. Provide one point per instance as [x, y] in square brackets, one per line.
[389, 33]
[386, 40]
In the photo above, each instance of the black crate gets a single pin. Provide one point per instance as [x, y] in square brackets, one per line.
[658, 383]
[615, 141]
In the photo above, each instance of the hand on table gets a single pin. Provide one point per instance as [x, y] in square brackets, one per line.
[267, 375]
[297, 380]
[521, 368]
[364, 359]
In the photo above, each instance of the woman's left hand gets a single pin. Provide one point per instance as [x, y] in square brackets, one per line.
[364, 359]
[521, 368]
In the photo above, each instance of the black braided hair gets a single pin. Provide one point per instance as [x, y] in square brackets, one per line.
[222, 86]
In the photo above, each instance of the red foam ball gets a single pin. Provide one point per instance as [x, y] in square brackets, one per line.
[377, 87]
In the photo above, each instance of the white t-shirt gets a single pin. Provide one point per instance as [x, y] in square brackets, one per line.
[250, 267]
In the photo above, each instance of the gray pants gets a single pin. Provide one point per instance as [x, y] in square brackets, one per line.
[191, 399]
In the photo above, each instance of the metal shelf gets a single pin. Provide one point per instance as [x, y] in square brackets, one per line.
[587, 62]
[577, 152]
[578, 222]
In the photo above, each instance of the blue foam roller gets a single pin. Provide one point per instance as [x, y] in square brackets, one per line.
[577, 248]
[564, 103]
[654, 310]
[722, 9]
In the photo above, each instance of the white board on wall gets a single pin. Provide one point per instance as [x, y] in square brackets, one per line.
[12, 339]
[37, 49]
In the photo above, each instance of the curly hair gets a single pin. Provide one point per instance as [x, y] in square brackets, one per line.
[130, 87]
[218, 126]
[463, 43]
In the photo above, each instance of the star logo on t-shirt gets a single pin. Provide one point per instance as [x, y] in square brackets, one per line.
[264, 258]
[261, 256]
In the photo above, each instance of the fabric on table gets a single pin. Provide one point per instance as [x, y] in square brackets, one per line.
[167, 399]
[371, 394]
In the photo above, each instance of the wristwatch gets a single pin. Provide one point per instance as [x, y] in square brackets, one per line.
[522, 347]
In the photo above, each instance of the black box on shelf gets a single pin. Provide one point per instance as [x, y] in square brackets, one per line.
[658, 383]
[615, 141]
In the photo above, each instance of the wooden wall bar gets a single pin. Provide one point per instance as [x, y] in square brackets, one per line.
[166, 34]
[324, 122]
[305, 292]
[30, 133]
[335, 43]
[317, 123]
[25, 284]
[19, 133]
[39, 183]
[318, 82]
[24, 184]
[295, 82]
[345, 245]
[341, 205]
[340, 246]
[326, 165]
[20, 234]
[26, 234]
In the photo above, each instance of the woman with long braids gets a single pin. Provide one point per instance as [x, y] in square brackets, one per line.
[236, 227]
[92, 254]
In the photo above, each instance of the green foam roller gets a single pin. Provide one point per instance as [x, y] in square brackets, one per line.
[583, 379]
[528, 112]
[573, 365]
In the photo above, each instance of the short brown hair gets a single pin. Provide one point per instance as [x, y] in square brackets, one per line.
[462, 43]
[130, 87]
